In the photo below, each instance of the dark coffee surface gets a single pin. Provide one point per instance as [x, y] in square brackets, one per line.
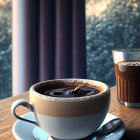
[128, 81]
[68, 91]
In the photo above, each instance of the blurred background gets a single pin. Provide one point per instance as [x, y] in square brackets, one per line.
[5, 49]
[110, 24]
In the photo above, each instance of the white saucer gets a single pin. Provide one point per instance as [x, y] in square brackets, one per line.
[25, 131]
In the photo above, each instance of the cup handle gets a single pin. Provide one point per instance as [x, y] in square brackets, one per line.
[25, 104]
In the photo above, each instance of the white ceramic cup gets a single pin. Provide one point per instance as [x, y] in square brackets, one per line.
[71, 117]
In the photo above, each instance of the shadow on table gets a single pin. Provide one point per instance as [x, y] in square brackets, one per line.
[132, 134]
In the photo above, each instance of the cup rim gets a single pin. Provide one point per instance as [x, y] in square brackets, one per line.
[70, 99]
[129, 50]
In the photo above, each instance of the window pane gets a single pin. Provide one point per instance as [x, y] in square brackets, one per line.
[110, 24]
[5, 49]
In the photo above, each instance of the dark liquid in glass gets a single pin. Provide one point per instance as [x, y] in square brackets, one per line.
[128, 81]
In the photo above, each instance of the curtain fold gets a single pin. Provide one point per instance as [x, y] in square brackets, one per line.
[79, 35]
[63, 38]
[31, 42]
[47, 39]
[50, 40]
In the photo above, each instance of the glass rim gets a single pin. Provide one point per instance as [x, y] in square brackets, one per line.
[130, 50]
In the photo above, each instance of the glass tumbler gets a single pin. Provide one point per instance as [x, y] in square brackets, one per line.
[127, 68]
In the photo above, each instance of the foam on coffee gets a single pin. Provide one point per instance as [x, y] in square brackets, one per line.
[97, 86]
[130, 63]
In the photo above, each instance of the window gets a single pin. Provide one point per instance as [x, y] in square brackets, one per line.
[5, 49]
[110, 24]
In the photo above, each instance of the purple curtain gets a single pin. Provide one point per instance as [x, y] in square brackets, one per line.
[52, 41]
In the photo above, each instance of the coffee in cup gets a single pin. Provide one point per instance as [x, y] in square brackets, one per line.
[69, 91]
[68, 108]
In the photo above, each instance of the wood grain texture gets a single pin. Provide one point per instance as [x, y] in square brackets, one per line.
[6, 118]
[130, 116]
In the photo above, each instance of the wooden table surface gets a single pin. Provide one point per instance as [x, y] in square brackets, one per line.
[130, 116]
